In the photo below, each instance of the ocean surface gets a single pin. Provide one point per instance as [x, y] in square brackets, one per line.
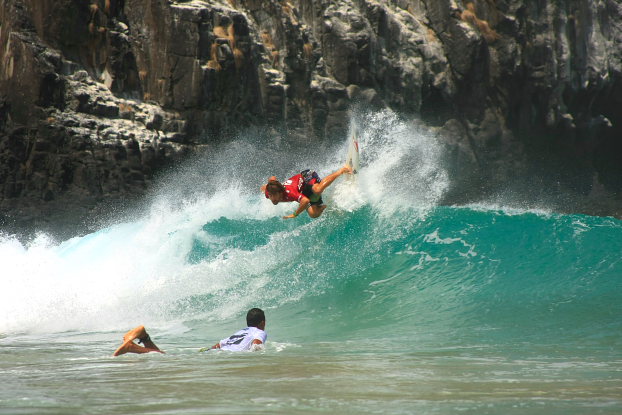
[390, 303]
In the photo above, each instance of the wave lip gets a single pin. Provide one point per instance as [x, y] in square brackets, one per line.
[210, 246]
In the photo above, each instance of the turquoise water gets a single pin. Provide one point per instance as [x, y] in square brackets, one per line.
[388, 303]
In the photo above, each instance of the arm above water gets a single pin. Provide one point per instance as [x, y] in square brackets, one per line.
[256, 345]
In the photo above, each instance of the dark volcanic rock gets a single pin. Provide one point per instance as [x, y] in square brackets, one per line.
[95, 97]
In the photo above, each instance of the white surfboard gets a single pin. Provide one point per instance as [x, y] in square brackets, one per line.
[352, 159]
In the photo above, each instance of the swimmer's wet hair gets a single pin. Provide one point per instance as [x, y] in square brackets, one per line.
[254, 317]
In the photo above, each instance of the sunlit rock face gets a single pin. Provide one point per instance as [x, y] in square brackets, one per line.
[96, 97]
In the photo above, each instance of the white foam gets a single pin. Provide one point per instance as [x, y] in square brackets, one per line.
[137, 271]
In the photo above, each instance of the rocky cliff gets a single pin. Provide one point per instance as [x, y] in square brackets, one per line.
[96, 96]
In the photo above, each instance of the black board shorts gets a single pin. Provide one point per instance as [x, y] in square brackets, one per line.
[307, 188]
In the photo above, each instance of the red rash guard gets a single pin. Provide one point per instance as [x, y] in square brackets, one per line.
[293, 188]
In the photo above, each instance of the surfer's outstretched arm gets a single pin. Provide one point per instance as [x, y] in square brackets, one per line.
[318, 188]
[129, 346]
[304, 204]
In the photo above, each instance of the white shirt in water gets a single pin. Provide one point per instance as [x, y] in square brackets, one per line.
[243, 339]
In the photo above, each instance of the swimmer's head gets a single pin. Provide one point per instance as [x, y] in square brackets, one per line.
[255, 317]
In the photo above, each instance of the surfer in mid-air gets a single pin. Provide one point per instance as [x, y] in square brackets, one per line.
[305, 188]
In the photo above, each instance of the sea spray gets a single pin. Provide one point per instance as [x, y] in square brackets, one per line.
[395, 303]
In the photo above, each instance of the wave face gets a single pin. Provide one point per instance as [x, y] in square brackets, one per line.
[384, 263]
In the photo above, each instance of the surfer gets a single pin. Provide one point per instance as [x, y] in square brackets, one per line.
[251, 338]
[305, 188]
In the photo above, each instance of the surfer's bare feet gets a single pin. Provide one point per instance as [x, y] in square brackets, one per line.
[129, 346]
[135, 333]
[146, 341]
